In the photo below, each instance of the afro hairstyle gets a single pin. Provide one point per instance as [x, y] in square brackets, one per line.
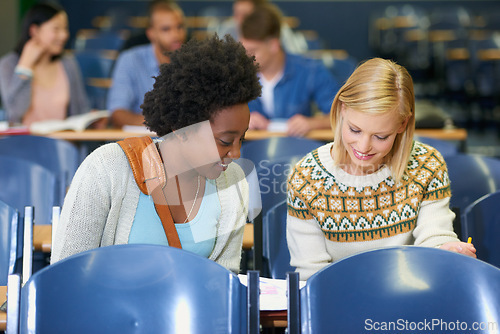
[202, 78]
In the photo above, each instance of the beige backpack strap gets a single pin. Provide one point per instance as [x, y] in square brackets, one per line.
[147, 167]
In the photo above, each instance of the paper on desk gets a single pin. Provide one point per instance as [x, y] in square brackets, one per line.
[278, 125]
[273, 296]
[137, 129]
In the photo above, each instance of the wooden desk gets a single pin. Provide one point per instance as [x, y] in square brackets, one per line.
[321, 135]
[248, 237]
[42, 238]
[273, 319]
[3, 315]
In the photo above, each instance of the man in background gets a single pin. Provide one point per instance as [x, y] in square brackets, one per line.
[135, 69]
[291, 84]
[292, 41]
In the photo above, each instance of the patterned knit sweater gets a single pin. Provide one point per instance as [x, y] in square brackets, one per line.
[332, 214]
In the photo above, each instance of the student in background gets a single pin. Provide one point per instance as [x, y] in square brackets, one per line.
[374, 186]
[291, 83]
[292, 42]
[199, 106]
[37, 80]
[135, 68]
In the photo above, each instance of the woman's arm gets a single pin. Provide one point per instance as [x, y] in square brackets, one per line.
[15, 89]
[85, 210]
[435, 228]
[307, 246]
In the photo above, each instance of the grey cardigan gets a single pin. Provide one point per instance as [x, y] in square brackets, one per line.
[16, 92]
[100, 207]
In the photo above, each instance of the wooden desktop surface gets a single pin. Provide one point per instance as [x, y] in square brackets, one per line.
[3, 315]
[321, 135]
[42, 237]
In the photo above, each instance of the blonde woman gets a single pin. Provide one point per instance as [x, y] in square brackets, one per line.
[374, 186]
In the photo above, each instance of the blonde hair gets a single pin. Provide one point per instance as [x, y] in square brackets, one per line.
[378, 86]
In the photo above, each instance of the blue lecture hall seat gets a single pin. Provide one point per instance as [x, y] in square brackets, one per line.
[272, 158]
[95, 64]
[397, 289]
[471, 176]
[138, 289]
[481, 222]
[444, 147]
[25, 183]
[59, 156]
[9, 222]
[277, 147]
[275, 248]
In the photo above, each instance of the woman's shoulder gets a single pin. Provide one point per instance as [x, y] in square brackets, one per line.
[69, 60]
[108, 156]
[319, 157]
[424, 153]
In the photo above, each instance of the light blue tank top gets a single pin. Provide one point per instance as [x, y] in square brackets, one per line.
[197, 236]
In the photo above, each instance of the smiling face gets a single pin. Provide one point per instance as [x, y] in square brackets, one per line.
[368, 139]
[207, 148]
[229, 127]
[53, 34]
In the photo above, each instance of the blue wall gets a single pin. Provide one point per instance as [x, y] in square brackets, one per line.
[341, 24]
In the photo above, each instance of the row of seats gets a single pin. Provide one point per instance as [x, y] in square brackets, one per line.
[133, 288]
[273, 158]
[36, 171]
[123, 289]
[452, 47]
[41, 171]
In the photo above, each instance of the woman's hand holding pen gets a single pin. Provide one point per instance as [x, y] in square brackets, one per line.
[465, 248]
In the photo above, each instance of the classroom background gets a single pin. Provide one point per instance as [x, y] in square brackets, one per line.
[452, 48]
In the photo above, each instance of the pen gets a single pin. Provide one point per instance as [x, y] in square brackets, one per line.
[469, 240]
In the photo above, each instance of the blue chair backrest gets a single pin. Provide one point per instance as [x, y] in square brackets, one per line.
[9, 221]
[404, 286]
[59, 156]
[101, 40]
[273, 175]
[277, 147]
[481, 221]
[275, 247]
[342, 68]
[471, 176]
[444, 147]
[94, 64]
[25, 183]
[134, 289]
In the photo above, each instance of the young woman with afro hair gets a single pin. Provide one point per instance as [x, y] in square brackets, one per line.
[198, 108]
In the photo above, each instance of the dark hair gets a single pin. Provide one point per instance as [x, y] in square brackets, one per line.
[38, 14]
[263, 23]
[202, 78]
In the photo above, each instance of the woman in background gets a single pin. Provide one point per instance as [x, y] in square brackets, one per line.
[37, 81]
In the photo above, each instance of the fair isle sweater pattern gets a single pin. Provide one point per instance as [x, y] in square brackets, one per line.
[361, 213]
